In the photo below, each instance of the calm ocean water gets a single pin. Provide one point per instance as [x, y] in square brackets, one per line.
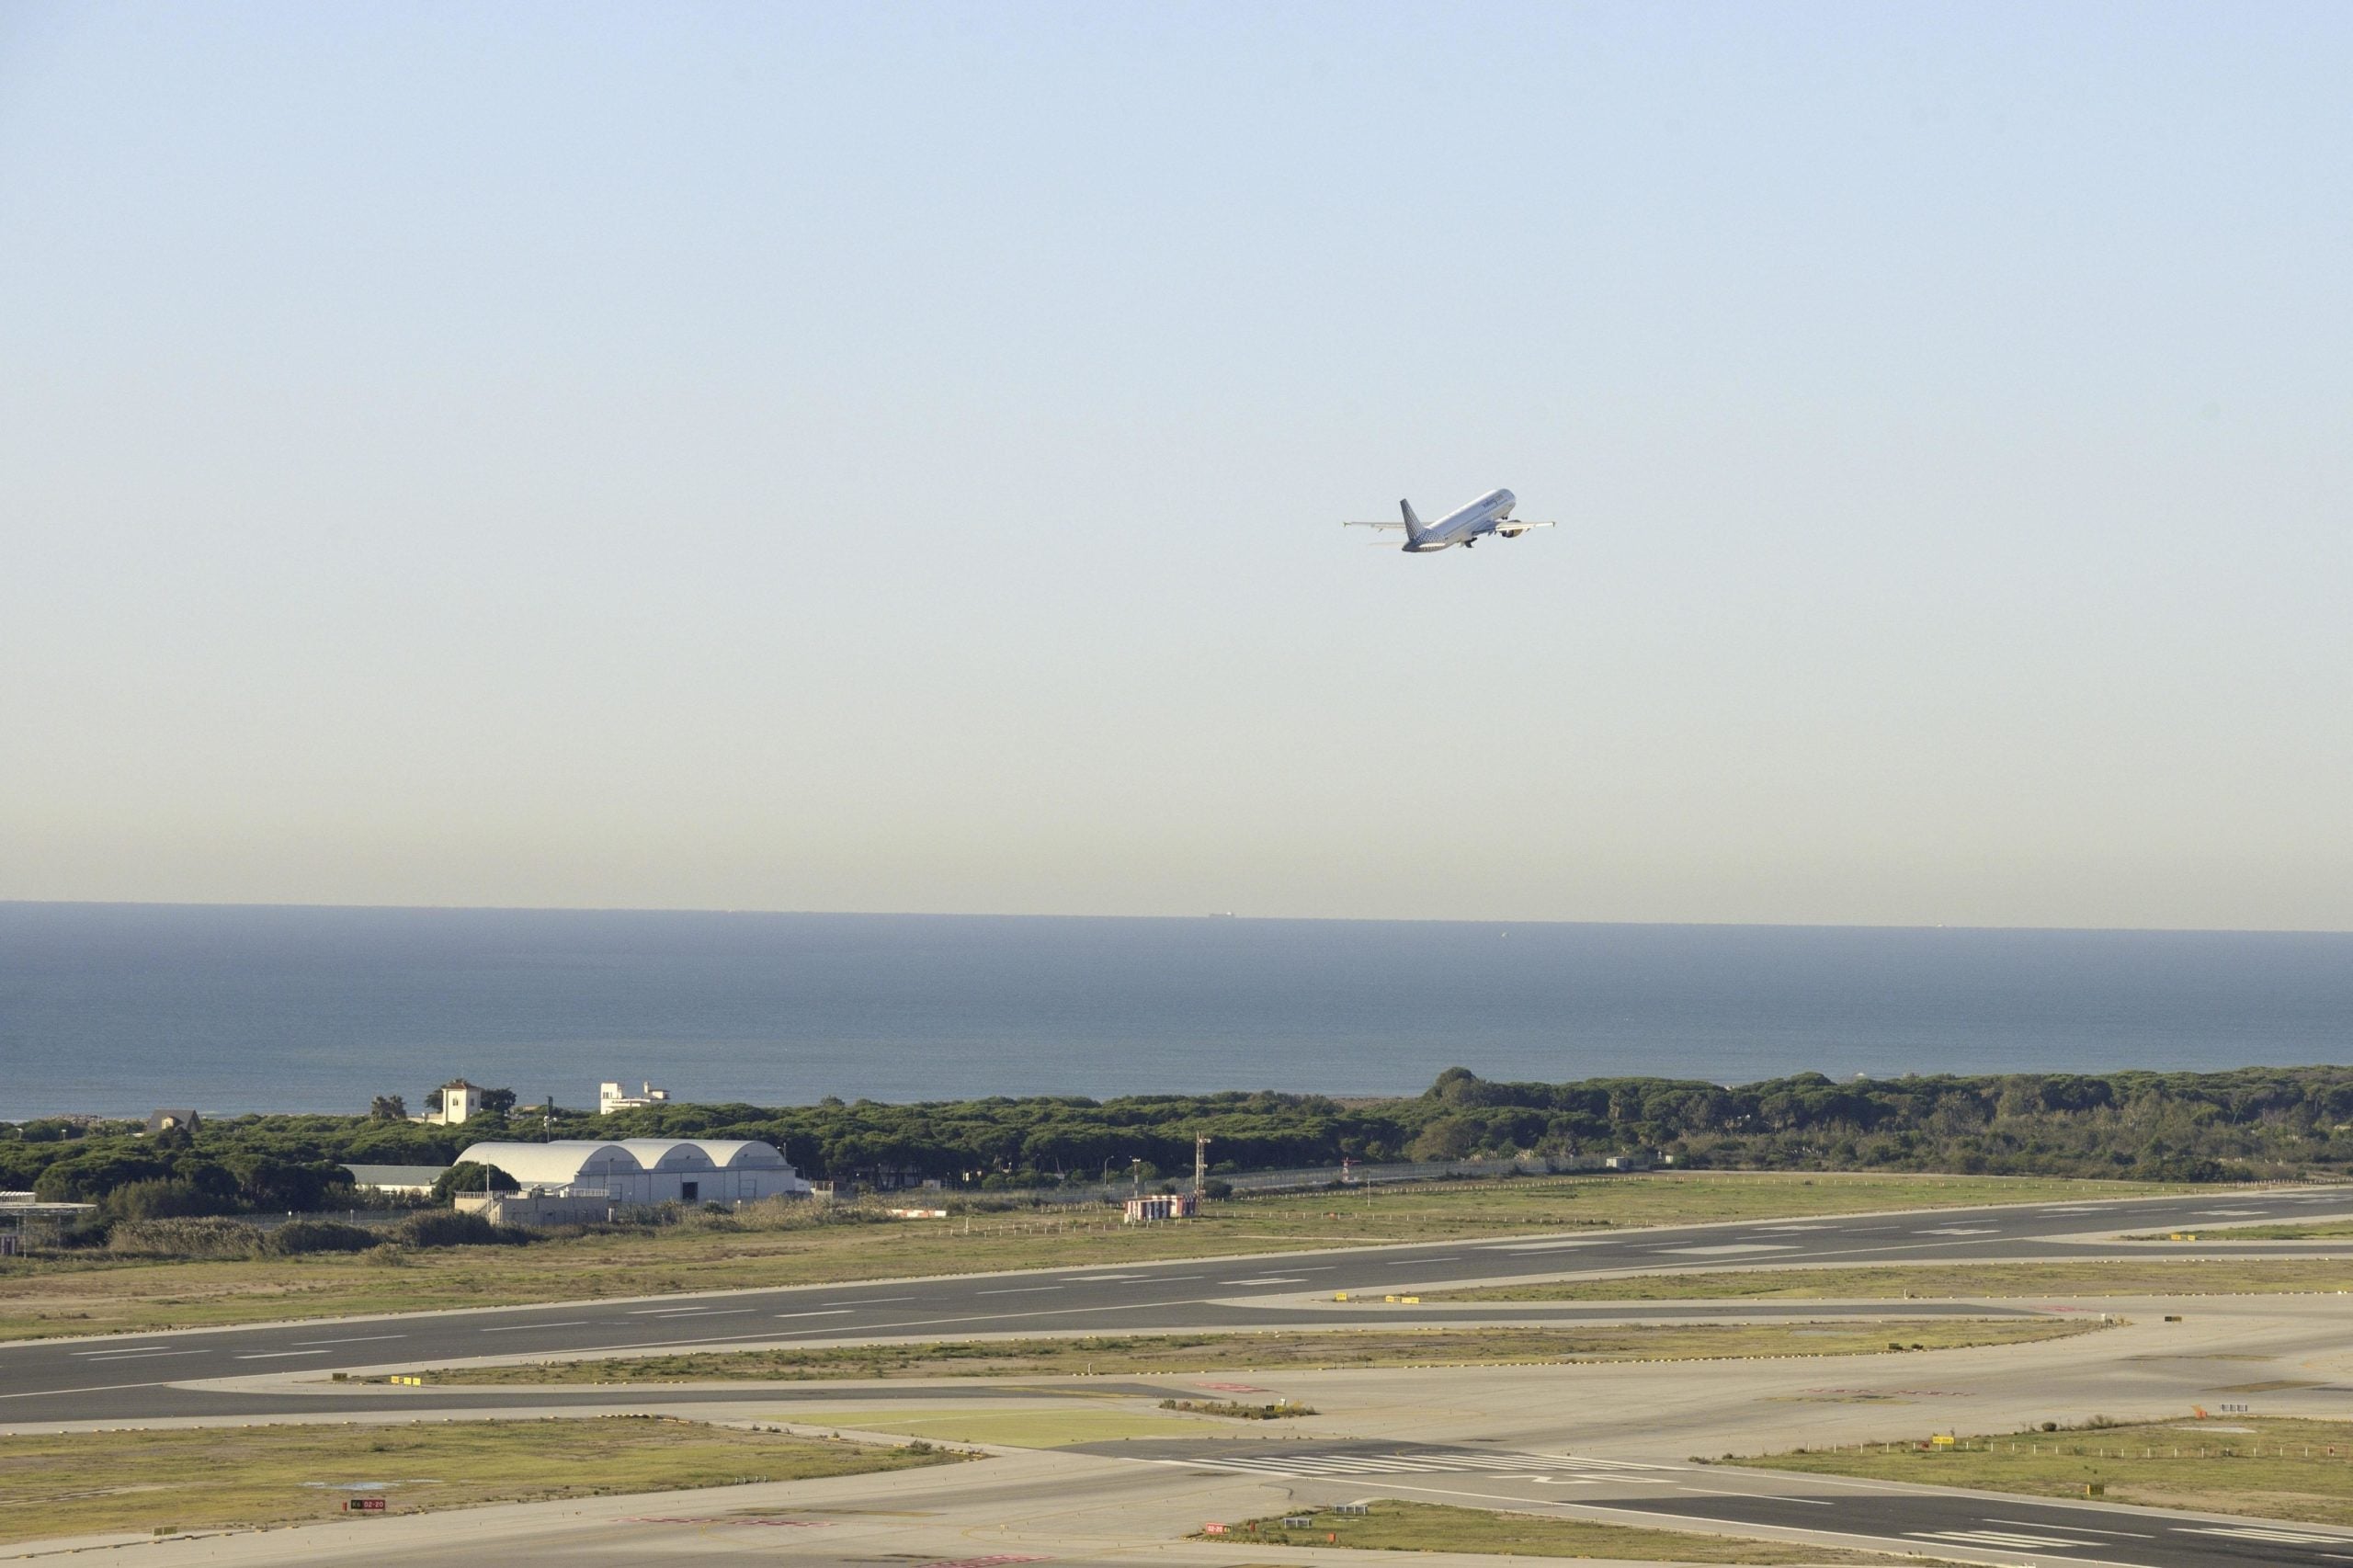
[119, 1008]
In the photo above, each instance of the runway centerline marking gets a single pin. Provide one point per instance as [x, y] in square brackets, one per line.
[525, 1327]
[95, 1388]
[1332, 1465]
[278, 1355]
[1019, 1290]
[114, 1356]
[933, 1323]
[2079, 1529]
[355, 1339]
[1996, 1538]
[821, 1312]
[869, 1302]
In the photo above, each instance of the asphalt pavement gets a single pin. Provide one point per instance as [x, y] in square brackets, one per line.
[132, 1376]
[1871, 1515]
[227, 1375]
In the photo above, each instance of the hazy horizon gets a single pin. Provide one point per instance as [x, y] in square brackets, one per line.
[1167, 915]
[888, 457]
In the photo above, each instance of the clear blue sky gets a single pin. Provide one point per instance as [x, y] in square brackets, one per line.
[872, 457]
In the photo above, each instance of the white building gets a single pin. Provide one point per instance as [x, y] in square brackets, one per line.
[609, 1097]
[647, 1170]
[404, 1181]
[459, 1100]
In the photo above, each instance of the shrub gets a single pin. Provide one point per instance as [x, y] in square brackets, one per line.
[298, 1236]
[468, 1177]
[186, 1237]
[164, 1198]
[80, 1233]
[447, 1228]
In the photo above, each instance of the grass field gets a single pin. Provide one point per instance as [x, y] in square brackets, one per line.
[41, 1297]
[1427, 1527]
[2318, 1231]
[2137, 1277]
[1299, 1351]
[1054, 1426]
[2273, 1469]
[93, 1482]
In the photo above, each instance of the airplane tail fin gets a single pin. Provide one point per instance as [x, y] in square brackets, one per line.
[1412, 523]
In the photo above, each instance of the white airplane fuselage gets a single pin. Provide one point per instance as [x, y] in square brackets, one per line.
[1464, 524]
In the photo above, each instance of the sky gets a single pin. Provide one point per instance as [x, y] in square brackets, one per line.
[878, 457]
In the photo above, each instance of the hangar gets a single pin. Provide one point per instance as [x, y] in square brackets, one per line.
[647, 1170]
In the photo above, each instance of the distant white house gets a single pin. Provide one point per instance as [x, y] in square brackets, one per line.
[460, 1102]
[647, 1170]
[609, 1097]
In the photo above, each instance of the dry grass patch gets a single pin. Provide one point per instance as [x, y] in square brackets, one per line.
[102, 1483]
[2132, 1276]
[2273, 1469]
[1428, 1526]
[2314, 1230]
[1314, 1350]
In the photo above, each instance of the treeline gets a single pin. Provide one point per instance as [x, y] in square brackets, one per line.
[2158, 1126]
[2172, 1126]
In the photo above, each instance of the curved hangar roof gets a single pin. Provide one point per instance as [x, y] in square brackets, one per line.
[572, 1159]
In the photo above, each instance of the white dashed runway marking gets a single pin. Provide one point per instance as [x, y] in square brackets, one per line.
[1558, 1470]
[2261, 1532]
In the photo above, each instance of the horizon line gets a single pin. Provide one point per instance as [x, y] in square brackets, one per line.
[1199, 915]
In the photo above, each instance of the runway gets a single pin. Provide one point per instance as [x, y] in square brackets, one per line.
[1621, 1453]
[126, 1376]
[1871, 1515]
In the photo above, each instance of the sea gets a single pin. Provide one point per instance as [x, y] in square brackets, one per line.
[118, 1009]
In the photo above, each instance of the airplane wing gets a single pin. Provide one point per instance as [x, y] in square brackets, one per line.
[1511, 526]
[1380, 523]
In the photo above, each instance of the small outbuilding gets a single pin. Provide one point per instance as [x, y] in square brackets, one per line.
[647, 1170]
[1161, 1205]
[406, 1181]
[173, 1120]
[461, 1101]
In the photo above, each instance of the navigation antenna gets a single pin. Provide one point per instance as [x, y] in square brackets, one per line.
[1200, 1167]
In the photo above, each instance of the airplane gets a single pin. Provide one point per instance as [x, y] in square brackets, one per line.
[1490, 513]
